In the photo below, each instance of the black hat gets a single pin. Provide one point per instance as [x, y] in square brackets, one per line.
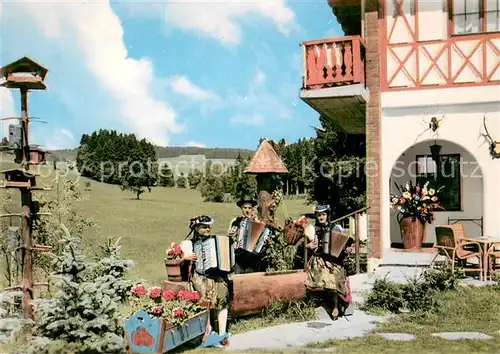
[246, 200]
[200, 220]
[322, 208]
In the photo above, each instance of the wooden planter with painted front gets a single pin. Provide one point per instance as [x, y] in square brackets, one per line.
[145, 334]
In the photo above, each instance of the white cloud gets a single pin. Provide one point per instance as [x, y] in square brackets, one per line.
[67, 134]
[97, 33]
[183, 86]
[260, 78]
[219, 19]
[7, 109]
[195, 144]
[60, 139]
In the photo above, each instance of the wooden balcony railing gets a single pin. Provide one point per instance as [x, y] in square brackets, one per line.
[333, 62]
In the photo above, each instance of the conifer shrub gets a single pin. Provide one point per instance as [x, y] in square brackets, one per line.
[84, 316]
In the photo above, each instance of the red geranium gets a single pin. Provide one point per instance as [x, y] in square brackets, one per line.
[155, 293]
[174, 252]
[139, 290]
[178, 313]
[175, 307]
[157, 310]
[187, 295]
[169, 295]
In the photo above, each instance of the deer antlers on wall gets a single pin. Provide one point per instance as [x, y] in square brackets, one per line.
[494, 145]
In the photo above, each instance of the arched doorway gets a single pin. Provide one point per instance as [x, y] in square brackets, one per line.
[461, 177]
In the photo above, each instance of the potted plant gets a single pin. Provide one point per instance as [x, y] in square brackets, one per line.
[415, 206]
[173, 262]
[163, 320]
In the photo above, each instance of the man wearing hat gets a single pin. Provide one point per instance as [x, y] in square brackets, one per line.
[325, 272]
[247, 205]
[214, 286]
[246, 262]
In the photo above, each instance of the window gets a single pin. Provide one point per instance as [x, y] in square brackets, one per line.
[448, 176]
[492, 15]
[476, 16]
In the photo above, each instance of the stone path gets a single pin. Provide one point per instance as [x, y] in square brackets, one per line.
[295, 335]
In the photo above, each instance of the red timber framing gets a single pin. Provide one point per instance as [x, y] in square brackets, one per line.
[414, 64]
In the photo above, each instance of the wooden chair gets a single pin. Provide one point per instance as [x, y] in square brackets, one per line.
[493, 254]
[452, 243]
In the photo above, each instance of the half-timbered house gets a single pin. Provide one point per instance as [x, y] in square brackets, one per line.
[421, 78]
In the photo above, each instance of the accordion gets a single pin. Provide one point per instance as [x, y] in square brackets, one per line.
[215, 253]
[251, 235]
[334, 243]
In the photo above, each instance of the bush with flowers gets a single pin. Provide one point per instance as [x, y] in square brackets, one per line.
[174, 252]
[416, 202]
[175, 307]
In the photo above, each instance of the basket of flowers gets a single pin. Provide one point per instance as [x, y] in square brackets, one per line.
[163, 320]
[294, 230]
[173, 262]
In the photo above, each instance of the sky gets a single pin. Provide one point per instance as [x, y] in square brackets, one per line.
[178, 73]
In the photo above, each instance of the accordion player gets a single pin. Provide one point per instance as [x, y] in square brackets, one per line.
[215, 254]
[252, 235]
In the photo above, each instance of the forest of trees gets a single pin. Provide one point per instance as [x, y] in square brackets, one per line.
[328, 168]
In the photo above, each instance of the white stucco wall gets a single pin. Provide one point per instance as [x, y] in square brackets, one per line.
[404, 117]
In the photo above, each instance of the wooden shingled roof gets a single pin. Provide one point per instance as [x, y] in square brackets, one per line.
[266, 160]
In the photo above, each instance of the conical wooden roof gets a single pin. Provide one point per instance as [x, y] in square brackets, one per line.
[266, 160]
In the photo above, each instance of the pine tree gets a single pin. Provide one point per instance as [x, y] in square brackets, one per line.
[194, 178]
[85, 314]
[336, 174]
[181, 181]
[212, 188]
[243, 184]
[166, 177]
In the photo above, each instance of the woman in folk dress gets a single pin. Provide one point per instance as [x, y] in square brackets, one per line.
[325, 272]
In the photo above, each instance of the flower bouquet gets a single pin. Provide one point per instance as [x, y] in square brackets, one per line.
[294, 230]
[162, 320]
[415, 206]
[173, 262]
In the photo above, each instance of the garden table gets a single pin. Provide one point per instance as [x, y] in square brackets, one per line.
[486, 242]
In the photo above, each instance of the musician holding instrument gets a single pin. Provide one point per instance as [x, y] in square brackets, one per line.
[212, 285]
[246, 262]
[326, 272]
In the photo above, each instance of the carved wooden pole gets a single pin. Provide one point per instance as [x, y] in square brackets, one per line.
[27, 225]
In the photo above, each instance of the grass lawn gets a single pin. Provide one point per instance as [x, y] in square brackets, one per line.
[465, 310]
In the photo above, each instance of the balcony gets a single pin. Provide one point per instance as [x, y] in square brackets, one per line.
[334, 80]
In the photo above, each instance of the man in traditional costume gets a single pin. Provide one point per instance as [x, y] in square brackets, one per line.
[213, 286]
[245, 262]
[326, 272]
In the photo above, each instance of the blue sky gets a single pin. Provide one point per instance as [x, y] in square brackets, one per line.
[200, 73]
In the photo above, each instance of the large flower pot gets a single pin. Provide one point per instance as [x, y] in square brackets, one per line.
[173, 270]
[412, 233]
[145, 334]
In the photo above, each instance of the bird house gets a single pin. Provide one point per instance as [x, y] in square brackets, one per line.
[24, 73]
[37, 155]
[18, 178]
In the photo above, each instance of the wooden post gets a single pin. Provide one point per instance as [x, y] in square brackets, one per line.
[356, 243]
[26, 245]
[25, 128]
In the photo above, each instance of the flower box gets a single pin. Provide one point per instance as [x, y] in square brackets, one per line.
[163, 320]
[145, 334]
